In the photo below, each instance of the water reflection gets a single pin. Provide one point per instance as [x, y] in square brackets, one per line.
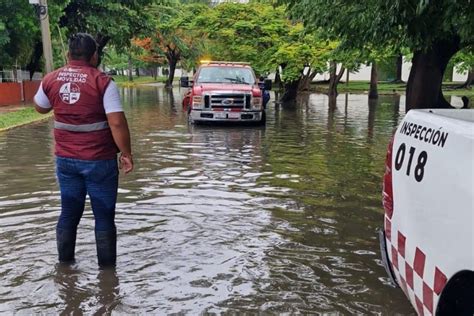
[275, 219]
[108, 296]
[66, 280]
[73, 292]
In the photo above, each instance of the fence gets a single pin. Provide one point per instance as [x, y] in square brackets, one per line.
[16, 87]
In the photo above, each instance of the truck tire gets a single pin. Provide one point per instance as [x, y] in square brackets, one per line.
[457, 296]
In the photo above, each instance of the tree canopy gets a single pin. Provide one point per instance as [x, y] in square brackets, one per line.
[115, 21]
[404, 23]
[432, 30]
[19, 29]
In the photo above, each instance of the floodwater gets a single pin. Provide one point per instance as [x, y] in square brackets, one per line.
[215, 219]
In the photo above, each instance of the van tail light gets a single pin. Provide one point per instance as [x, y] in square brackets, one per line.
[387, 193]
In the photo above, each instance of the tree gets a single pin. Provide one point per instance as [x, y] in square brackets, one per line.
[19, 30]
[115, 60]
[301, 57]
[174, 36]
[250, 32]
[433, 31]
[464, 59]
[260, 33]
[112, 21]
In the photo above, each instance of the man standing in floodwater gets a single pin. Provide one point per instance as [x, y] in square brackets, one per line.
[90, 128]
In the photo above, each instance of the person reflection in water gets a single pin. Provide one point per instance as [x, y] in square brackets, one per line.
[72, 295]
[90, 128]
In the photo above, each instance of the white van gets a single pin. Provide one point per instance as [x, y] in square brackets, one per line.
[428, 238]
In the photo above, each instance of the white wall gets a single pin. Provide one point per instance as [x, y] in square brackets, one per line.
[458, 76]
[364, 74]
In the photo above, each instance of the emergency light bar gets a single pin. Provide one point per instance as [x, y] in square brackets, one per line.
[224, 62]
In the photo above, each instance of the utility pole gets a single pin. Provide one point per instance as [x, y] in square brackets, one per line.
[42, 11]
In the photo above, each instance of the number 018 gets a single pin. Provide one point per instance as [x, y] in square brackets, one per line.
[421, 161]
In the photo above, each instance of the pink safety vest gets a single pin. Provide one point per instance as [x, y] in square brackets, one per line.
[76, 93]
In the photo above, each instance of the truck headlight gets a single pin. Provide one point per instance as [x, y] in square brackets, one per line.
[256, 103]
[198, 102]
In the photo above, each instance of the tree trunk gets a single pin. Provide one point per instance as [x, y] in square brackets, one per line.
[332, 89]
[172, 61]
[137, 72]
[374, 77]
[398, 73]
[290, 91]
[130, 67]
[334, 78]
[470, 78]
[101, 40]
[277, 81]
[305, 82]
[426, 75]
[35, 59]
[347, 78]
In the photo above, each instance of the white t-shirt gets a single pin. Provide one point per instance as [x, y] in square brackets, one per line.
[111, 98]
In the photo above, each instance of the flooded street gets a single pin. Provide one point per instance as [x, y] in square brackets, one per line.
[215, 219]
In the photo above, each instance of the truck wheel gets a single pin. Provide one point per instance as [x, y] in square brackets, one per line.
[457, 295]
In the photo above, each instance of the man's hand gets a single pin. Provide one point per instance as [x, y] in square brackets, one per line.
[126, 163]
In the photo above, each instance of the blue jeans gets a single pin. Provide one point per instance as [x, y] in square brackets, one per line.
[98, 179]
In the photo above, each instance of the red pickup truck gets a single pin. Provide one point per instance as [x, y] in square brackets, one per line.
[224, 91]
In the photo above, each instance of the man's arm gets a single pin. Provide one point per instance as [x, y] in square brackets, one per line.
[41, 110]
[118, 125]
[121, 134]
[41, 101]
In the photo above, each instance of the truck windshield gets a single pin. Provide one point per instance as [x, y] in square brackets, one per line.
[226, 75]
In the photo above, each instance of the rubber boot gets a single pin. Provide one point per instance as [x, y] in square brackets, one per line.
[66, 242]
[106, 242]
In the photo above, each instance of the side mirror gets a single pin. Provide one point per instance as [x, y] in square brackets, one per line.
[267, 84]
[184, 82]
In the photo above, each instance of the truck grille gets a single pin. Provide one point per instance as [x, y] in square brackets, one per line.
[228, 101]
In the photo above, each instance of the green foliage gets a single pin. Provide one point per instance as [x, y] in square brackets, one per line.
[175, 37]
[4, 38]
[114, 59]
[244, 32]
[116, 20]
[464, 60]
[302, 50]
[399, 23]
[260, 33]
[19, 29]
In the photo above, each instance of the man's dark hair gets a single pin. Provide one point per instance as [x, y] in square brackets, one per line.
[82, 46]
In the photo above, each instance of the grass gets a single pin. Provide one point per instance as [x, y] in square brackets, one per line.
[20, 117]
[123, 81]
[388, 88]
